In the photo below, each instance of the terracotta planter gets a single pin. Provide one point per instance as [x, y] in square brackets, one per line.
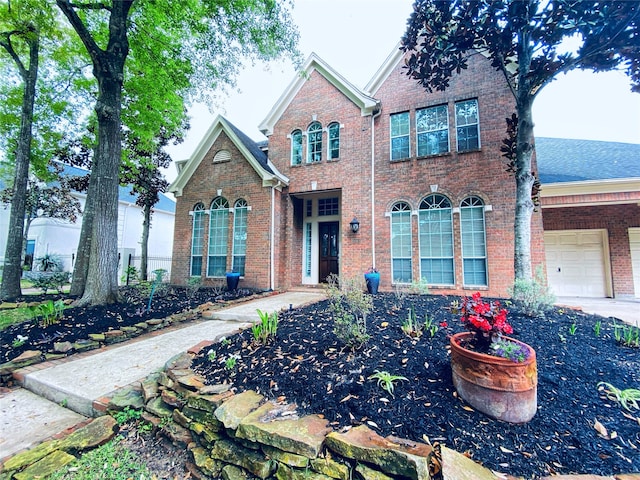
[496, 386]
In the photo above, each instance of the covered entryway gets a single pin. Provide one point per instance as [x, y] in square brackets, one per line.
[634, 246]
[578, 263]
[329, 240]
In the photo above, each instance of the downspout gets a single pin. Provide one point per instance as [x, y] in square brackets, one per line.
[374, 115]
[272, 243]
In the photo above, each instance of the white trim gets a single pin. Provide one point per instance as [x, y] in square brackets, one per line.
[390, 63]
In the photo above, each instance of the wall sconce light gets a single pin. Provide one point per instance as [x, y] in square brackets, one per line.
[355, 225]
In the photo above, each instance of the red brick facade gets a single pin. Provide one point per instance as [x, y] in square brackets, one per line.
[364, 150]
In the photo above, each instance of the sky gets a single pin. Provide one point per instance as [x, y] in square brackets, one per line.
[355, 37]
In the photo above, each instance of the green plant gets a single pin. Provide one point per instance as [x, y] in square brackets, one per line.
[597, 327]
[627, 335]
[267, 327]
[111, 461]
[629, 398]
[129, 274]
[127, 415]
[225, 341]
[573, 328]
[420, 287]
[50, 262]
[49, 281]
[19, 341]
[193, 285]
[513, 351]
[211, 355]
[386, 381]
[47, 313]
[64, 402]
[230, 363]
[411, 326]
[350, 307]
[533, 296]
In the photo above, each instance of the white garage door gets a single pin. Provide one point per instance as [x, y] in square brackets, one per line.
[634, 244]
[576, 263]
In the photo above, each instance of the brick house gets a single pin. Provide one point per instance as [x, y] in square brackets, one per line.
[591, 213]
[420, 173]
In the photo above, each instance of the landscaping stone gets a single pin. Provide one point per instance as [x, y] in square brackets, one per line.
[150, 387]
[141, 325]
[181, 361]
[231, 412]
[231, 472]
[180, 418]
[171, 398]
[287, 473]
[214, 389]
[210, 435]
[250, 460]
[127, 397]
[288, 458]
[456, 466]
[303, 436]
[205, 463]
[97, 337]
[83, 345]
[206, 418]
[96, 433]
[368, 473]
[62, 347]
[157, 407]
[178, 435]
[48, 465]
[208, 403]
[31, 456]
[363, 444]
[330, 467]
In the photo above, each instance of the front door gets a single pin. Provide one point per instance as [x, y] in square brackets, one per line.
[329, 235]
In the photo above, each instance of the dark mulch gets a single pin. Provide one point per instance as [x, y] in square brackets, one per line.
[78, 322]
[308, 366]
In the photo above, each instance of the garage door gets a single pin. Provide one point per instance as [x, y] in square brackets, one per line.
[576, 263]
[634, 244]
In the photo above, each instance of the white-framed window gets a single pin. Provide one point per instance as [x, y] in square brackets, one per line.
[467, 125]
[432, 130]
[314, 142]
[399, 123]
[239, 249]
[197, 240]
[296, 147]
[401, 243]
[307, 248]
[218, 234]
[435, 231]
[328, 206]
[474, 242]
[334, 141]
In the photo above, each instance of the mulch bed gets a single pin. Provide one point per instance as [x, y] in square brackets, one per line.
[307, 365]
[78, 322]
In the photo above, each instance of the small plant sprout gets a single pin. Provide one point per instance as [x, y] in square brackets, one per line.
[429, 326]
[267, 327]
[597, 327]
[627, 335]
[386, 381]
[410, 326]
[211, 355]
[573, 328]
[225, 342]
[629, 398]
[19, 341]
[230, 363]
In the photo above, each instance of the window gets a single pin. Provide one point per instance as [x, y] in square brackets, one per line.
[474, 248]
[222, 156]
[401, 242]
[239, 236]
[432, 129]
[400, 136]
[307, 249]
[467, 125]
[197, 240]
[328, 206]
[334, 141]
[296, 147]
[435, 230]
[309, 204]
[314, 142]
[218, 232]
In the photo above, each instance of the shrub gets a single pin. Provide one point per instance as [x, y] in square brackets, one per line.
[350, 306]
[533, 296]
[46, 281]
[49, 263]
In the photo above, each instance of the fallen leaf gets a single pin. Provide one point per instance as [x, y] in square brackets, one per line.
[384, 324]
[505, 450]
[601, 429]
[372, 424]
[468, 408]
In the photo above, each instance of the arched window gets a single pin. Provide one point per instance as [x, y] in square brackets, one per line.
[334, 141]
[296, 147]
[197, 240]
[435, 230]
[314, 142]
[401, 243]
[218, 233]
[474, 242]
[240, 211]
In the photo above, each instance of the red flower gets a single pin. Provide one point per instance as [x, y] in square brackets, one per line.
[484, 318]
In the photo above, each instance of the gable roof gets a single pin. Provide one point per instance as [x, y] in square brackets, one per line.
[367, 104]
[388, 66]
[249, 149]
[563, 160]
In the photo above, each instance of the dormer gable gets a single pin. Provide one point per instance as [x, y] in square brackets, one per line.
[366, 103]
[250, 150]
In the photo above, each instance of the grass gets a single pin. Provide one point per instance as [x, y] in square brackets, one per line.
[112, 461]
[9, 315]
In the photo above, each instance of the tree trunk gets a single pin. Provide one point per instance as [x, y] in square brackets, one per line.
[81, 266]
[146, 224]
[12, 272]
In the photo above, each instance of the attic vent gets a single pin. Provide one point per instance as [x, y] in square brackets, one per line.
[222, 156]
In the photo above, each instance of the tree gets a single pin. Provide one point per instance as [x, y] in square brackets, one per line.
[28, 30]
[531, 42]
[175, 50]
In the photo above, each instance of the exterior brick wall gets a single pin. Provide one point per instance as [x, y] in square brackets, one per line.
[616, 220]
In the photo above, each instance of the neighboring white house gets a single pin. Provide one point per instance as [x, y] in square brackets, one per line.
[60, 237]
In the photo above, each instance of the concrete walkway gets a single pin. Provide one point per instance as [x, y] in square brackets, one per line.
[627, 310]
[77, 382]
